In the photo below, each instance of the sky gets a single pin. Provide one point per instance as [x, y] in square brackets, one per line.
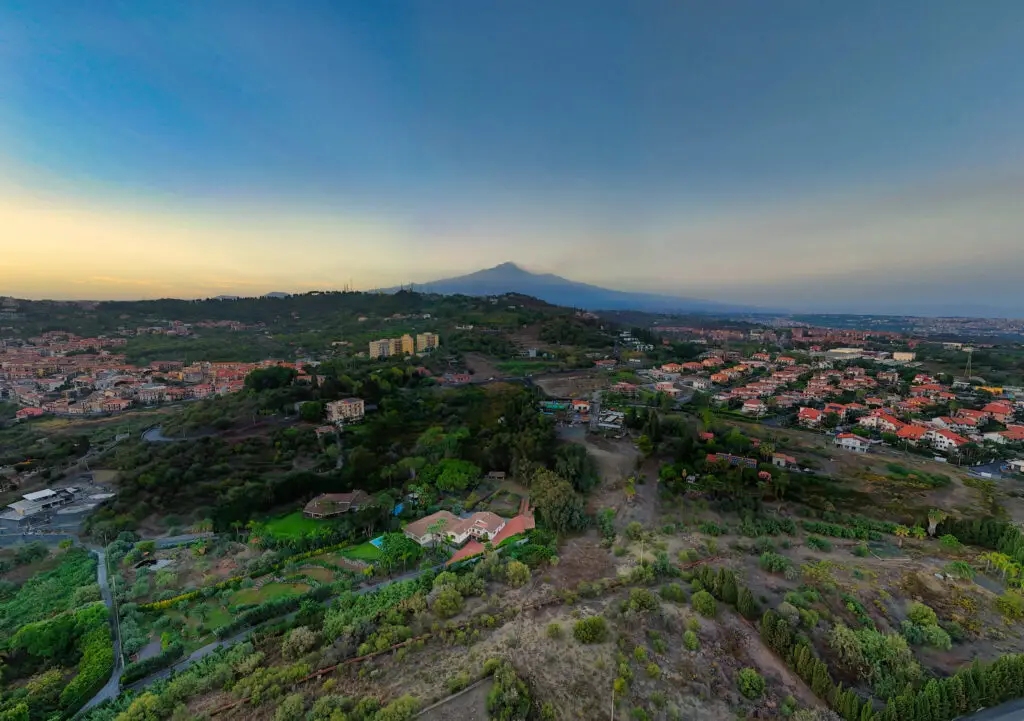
[798, 154]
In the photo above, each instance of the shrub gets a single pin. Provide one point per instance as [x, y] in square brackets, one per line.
[554, 630]
[298, 641]
[291, 708]
[745, 603]
[690, 641]
[704, 604]
[751, 684]
[640, 599]
[673, 592]
[634, 531]
[447, 602]
[773, 562]
[517, 574]
[1011, 605]
[592, 629]
[819, 543]
[653, 670]
[922, 615]
[860, 550]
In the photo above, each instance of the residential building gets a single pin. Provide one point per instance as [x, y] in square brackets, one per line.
[480, 525]
[781, 460]
[427, 342]
[347, 410]
[1015, 466]
[945, 440]
[903, 356]
[380, 348]
[810, 417]
[408, 345]
[732, 460]
[999, 412]
[395, 346]
[30, 412]
[754, 407]
[912, 433]
[851, 442]
[331, 505]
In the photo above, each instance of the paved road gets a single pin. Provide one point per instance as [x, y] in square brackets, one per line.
[1009, 711]
[113, 686]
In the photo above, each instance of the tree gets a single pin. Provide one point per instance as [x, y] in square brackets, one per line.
[517, 574]
[745, 603]
[397, 549]
[299, 640]
[452, 475]
[935, 517]
[704, 604]
[558, 505]
[901, 532]
[831, 420]
[751, 684]
[311, 411]
[645, 445]
[263, 379]
[573, 463]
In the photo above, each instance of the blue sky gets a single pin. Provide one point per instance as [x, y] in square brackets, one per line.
[811, 155]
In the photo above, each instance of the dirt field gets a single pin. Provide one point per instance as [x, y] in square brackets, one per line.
[482, 367]
[580, 384]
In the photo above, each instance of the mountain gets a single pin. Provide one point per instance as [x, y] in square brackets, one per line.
[510, 278]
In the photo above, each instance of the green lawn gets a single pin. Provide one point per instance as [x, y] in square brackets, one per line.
[324, 575]
[366, 552]
[268, 593]
[294, 525]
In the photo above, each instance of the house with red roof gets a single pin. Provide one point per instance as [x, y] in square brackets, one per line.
[912, 433]
[810, 417]
[999, 412]
[945, 440]
[851, 442]
[30, 412]
[754, 407]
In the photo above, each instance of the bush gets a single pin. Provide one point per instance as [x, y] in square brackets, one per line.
[690, 641]
[751, 684]
[640, 599]
[447, 602]
[861, 550]
[819, 543]
[1011, 605]
[554, 630]
[653, 670]
[299, 641]
[704, 604]
[922, 615]
[673, 592]
[634, 531]
[517, 574]
[773, 562]
[593, 629]
[291, 708]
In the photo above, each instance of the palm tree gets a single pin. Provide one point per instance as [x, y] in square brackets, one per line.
[767, 450]
[901, 533]
[935, 517]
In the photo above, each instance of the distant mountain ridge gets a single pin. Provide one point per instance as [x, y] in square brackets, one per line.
[510, 278]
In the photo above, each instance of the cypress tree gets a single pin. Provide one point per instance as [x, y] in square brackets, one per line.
[729, 592]
[957, 697]
[745, 603]
[971, 691]
[867, 712]
[720, 584]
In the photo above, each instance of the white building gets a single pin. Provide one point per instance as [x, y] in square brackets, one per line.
[851, 442]
[347, 410]
[944, 440]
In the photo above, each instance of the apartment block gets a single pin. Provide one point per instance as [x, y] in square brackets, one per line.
[426, 342]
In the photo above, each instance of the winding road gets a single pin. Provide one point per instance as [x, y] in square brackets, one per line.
[113, 686]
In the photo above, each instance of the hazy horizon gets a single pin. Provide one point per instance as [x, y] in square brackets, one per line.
[800, 156]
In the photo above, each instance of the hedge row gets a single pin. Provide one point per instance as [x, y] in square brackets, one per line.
[140, 669]
[270, 609]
